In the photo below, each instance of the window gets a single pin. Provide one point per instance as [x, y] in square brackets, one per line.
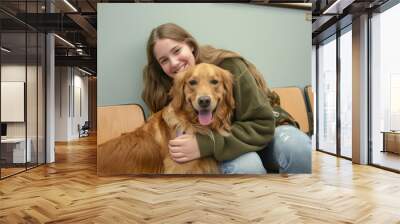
[385, 84]
[327, 96]
[346, 93]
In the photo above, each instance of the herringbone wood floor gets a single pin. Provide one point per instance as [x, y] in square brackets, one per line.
[70, 192]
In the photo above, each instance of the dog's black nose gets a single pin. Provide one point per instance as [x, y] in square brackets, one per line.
[204, 101]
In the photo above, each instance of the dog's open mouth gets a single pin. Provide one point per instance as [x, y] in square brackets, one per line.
[205, 117]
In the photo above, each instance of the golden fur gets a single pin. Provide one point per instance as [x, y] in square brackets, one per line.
[145, 150]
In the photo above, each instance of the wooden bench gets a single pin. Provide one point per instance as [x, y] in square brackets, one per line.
[113, 121]
[292, 100]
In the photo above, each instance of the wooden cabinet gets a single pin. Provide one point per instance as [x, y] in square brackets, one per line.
[391, 141]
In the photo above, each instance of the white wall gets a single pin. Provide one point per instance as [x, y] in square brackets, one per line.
[81, 84]
[12, 101]
[17, 73]
[69, 82]
[14, 72]
[61, 103]
[33, 126]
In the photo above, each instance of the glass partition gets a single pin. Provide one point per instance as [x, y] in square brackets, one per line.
[32, 95]
[346, 93]
[22, 88]
[41, 91]
[385, 89]
[327, 96]
[13, 108]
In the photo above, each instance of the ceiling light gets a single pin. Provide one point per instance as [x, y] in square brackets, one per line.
[65, 41]
[84, 71]
[79, 51]
[5, 50]
[70, 5]
[331, 7]
[337, 7]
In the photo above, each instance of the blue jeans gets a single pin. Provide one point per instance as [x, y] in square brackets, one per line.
[248, 163]
[288, 152]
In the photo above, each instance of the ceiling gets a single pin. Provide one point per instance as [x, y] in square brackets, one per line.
[76, 22]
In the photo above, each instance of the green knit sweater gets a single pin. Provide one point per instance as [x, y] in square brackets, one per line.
[253, 123]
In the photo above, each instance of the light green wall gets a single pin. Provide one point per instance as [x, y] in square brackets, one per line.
[276, 40]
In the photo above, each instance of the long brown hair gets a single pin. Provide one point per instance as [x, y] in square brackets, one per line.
[157, 84]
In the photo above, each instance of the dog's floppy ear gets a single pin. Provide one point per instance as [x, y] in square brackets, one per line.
[177, 90]
[227, 81]
[225, 111]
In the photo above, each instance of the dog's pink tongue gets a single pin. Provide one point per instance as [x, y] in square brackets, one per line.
[205, 117]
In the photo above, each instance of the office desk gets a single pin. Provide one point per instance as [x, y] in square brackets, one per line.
[15, 148]
[391, 141]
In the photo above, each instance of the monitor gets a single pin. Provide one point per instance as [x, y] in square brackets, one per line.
[3, 129]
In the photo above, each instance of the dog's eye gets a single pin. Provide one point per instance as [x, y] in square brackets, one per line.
[192, 82]
[214, 82]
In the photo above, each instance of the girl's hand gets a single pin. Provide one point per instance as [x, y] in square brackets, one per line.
[184, 148]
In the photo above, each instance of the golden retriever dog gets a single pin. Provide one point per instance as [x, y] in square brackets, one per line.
[202, 101]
